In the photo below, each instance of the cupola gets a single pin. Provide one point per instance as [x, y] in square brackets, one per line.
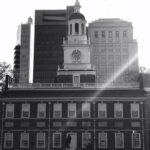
[77, 21]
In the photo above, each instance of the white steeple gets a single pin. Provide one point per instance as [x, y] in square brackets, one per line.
[77, 60]
[77, 7]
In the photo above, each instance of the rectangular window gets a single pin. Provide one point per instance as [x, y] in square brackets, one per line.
[96, 34]
[41, 111]
[25, 110]
[135, 113]
[136, 140]
[8, 140]
[9, 110]
[24, 141]
[57, 111]
[103, 50]
[117, 34]
[40, 140]
[72, 110]
[135, 124]
[86, 139]
[102, 110]
[96, 60]
[119, 140]
[102, 140]
[102, 124]
[103, 34]
[118, 110]
[124, 34]
[86, 110]
[110, 34]
[56, 140]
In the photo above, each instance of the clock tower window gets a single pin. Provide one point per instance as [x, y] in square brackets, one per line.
[76, 28]
[70, 29]
[82, 27]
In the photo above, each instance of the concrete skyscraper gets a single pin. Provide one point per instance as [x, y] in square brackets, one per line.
[114, 51]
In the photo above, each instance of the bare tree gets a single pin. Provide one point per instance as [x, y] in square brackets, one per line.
[5, 69]
[142, 69]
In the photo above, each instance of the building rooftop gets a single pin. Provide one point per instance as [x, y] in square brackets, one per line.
[110, 22]
[134, 85]
[68, 90]
[76, 16]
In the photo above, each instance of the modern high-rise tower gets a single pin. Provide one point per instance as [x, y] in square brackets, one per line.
[22, 53]
[50, 29]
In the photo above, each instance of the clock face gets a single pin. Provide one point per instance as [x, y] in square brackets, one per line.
[76, 55]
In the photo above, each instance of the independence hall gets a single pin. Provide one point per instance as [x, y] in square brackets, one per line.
[74, 111]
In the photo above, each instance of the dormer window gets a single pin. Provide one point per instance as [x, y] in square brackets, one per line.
[76, 28]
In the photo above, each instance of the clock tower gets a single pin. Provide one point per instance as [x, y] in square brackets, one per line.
[77, 67]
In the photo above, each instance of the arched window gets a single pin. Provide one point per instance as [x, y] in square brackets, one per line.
[82, 27]
[70, 29]
[76, 28]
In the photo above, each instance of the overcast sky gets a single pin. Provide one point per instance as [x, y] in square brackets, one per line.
[15, 12]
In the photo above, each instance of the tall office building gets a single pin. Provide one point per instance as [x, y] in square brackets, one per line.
[114, 51]
[22, 53]
[50, 29]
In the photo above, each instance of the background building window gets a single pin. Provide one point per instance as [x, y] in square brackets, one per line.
[40, 140]
[9, 110]
[25, 110]
[118, 110]
[119, 140]
[96, 34]
[24, 141]
[110, 34]
[71, 110]
[8, 140]
[103, 50]
[86, 139]
[86, 110]
[57, 111]
[124, 34]
[117, 34]
[102, 140]
[136, 140]
[135, 110]
[41, 111]
[57, 140]
[103, 61]
[103, 34]
[102, 110]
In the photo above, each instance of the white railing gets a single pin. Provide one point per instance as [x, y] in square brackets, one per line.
[71, 85]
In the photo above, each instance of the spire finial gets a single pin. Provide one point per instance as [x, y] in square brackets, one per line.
[77, 6]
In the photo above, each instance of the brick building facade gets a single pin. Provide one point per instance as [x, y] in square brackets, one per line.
[108, 119]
